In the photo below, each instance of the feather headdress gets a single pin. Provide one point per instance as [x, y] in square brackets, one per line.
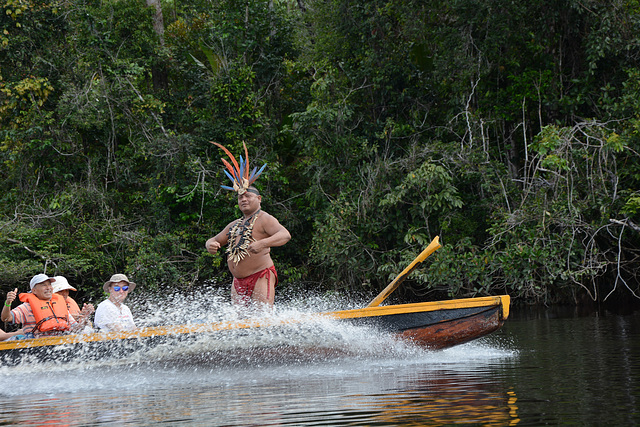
[238, 173]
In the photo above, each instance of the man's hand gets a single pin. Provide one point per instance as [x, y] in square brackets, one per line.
[257, 247]
[11, 295]
[87, 309]
[212, 245]
[83, 317]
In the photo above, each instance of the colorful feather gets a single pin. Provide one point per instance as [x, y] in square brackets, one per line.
[233, 159]
[234, 173]
[246, 156]
[239, 173]
[229, 176]
[254, 177]
[242, 166]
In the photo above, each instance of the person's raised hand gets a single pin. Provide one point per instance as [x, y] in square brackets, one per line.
[87, 309]
[11, 295]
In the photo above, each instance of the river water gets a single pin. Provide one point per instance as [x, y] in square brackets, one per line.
[544, 367]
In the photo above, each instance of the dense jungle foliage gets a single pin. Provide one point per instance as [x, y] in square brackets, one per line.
[509, 129]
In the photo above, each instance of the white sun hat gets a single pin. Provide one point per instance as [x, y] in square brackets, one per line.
[61, 284]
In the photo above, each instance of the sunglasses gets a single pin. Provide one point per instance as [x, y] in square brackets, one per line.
[117, 288]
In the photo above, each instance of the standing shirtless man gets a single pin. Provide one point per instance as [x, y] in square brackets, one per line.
[249, 239]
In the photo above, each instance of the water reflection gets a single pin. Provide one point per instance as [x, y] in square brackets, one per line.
[582, 370]
[445, 397]
[413, 387]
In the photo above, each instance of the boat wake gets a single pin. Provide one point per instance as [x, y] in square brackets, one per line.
[297, 337]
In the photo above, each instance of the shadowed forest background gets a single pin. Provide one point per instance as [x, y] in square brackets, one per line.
[509, 129]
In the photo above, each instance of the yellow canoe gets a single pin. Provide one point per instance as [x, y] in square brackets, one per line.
[434, 325]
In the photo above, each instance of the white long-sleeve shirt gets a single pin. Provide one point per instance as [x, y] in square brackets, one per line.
[109, 317]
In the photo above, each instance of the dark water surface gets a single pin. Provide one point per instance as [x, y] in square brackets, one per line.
[543, 368]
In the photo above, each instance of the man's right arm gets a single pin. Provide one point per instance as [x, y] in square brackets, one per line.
[6, 316]
[216, 242]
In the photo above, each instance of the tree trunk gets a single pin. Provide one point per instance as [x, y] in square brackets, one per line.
[158, 21]
[158, 72]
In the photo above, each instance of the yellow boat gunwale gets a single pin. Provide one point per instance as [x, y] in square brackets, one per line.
[154, 331]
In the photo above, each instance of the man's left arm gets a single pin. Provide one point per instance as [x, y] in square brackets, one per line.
[277, 235]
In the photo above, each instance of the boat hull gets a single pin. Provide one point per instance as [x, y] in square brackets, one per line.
[441, 324]
[457, 331]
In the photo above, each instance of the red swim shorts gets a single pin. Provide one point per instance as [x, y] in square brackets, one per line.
[244, 287]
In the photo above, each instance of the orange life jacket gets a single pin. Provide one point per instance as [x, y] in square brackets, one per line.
[52, 315]
[72, 305]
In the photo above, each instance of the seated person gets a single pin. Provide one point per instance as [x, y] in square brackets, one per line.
[62, 287]
[112, 315]
[42, 312]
